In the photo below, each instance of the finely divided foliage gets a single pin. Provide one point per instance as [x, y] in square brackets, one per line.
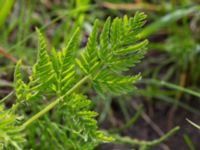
[56, 77]
[119, 49]
[10, 133]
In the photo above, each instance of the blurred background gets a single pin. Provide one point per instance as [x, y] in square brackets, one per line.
[167, 94]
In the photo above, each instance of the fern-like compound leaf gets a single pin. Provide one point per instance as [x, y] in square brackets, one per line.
[43, 69]
[43, 72]
[72, 125]
[117, 49]
[81, 120]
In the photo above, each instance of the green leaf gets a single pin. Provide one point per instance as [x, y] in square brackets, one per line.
[167, 20]
[5, 8]
[20, 86]
[11, 135]
[107, 55]
[90, 58]
[43, 72]
[108, 82]
[67, 76]
[105, 41]
[133, 48]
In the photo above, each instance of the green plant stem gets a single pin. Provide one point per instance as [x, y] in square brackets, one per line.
[6, 97]
[194, 124]
[170, 85]
[127, 140]
[54, 103]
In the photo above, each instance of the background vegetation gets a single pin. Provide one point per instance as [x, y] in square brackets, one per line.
[167, 95]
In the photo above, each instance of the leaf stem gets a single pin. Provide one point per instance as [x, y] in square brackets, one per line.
[54, 103]
[170, 85]
[127, 140]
